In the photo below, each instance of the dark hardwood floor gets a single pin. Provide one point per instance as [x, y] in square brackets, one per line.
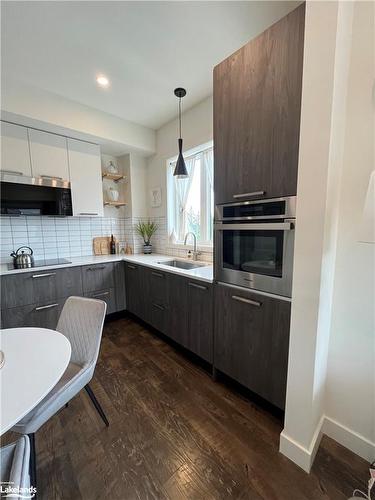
[175, 434]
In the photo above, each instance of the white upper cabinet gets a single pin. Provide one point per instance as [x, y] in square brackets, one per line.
[15, 153]
[85, 178]
[49, 155]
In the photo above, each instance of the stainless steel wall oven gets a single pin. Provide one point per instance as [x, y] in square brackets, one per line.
[254, 243]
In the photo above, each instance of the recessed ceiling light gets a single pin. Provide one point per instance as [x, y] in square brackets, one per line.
[102, 81]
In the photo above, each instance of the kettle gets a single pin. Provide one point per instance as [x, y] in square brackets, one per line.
[22, 260]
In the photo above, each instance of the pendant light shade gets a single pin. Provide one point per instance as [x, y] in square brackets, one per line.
[180, 171]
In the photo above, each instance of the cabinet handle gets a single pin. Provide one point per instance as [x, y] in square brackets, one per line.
[45, 275]
[40, 308]
[88, 213]
[51, 177]
[254, 193]
[96, 268]
[247, 301]
[159, 275]
[200, 287]
[100, 294]
[131, 267]
[158, 306]
[11, 172]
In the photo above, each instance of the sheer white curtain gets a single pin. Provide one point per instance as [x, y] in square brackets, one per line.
[208, 165]
[182, 187]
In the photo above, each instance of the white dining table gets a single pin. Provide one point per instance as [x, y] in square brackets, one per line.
[34, 361]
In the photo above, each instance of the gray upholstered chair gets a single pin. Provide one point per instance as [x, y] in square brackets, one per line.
[81, 321]
[15, 463]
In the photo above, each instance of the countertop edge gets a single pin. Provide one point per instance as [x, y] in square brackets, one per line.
[140, 259]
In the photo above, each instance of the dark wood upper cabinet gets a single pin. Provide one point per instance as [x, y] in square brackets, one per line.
[252, 339]
[257, 104]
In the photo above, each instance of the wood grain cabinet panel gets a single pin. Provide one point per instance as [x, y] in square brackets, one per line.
[156, 284]
[108, 296]
[177, 325]
[257, 104]
[135, 290]
[69, 281]
[200, 319]
[119, 270]
[43, 315]
[251, 341]
[98, 277]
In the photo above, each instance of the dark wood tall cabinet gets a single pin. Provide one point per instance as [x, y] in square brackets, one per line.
[257, 104]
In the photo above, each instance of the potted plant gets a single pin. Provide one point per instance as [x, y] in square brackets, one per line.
[146, 230]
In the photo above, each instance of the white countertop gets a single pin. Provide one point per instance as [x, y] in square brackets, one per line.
[203, 273]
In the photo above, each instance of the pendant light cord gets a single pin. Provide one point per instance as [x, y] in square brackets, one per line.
[179, 114]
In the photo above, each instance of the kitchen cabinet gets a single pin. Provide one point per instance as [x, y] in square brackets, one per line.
[199, 335]
[15, 152]
[39, 286]
[257, 104]
[119, 270]
[85, 178]
[36, 298]
[251, 339]
[156, 311]
[49, 155]
[43, 315]
[179, 307]
[177, 325]
[108, 296]
[98, 277]
[135, 291]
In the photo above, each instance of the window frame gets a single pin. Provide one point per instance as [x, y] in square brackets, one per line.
[206, 245]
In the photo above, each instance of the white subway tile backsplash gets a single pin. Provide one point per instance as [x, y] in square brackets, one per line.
[51, 237]
[72, 237]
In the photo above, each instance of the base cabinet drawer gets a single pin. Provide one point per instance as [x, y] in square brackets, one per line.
[98, 277]
[44, 315]
[40, 286]
[108, 296]
[251, 339]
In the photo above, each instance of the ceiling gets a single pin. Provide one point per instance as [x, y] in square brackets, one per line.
[145, 48]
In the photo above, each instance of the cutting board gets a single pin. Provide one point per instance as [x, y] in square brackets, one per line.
[102, 245]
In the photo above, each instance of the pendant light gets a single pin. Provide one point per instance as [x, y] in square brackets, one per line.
[180, 171]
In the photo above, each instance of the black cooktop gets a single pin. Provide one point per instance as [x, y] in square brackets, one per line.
[43, 262]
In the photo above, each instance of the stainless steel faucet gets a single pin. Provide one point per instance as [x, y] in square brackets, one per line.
[195, 253]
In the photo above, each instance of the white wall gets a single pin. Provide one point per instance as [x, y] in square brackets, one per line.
[350, 395]
[197, 129]
[323, 380]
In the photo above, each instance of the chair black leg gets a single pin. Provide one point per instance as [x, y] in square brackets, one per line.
[32, 462]
[95, 402]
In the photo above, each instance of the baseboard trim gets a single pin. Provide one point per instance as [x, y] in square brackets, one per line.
[352, 440]
[303, 457]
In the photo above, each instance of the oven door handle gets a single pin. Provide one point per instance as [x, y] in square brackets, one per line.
[277, 226]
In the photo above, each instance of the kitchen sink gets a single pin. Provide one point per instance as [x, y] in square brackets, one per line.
[181, 264]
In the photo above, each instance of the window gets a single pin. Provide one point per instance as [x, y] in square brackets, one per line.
[191, 200]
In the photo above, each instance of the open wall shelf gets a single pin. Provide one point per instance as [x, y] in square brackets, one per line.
[116, 204]
[113, 177]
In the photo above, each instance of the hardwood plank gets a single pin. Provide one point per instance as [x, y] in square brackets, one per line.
[174, 434]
